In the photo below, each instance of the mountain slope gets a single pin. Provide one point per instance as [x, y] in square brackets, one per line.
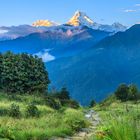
[58, 41]
[98, 71]
[40, 26]
[80, 18]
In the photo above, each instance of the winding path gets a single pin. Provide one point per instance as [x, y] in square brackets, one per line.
[86, 133]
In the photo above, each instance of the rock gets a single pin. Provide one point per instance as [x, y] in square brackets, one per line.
[85, 130]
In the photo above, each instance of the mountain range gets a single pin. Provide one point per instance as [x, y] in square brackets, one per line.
[39, 26]
[90, 59]
[61, 41]
[96, 73]
[80, 18]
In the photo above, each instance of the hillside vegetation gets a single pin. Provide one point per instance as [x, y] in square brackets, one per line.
[28, 111]
[120, 118]
[28, 117]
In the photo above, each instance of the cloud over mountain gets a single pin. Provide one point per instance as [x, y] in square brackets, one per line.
[46, 57]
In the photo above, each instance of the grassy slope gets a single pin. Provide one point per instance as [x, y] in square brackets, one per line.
[51, 123]
[120, 120]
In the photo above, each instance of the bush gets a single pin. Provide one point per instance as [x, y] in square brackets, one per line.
[125, 93]
[122, 92]
[13, 97]
[14, 111]
[63, 95]
[75, 119]
[92, 103]
[53, 103]
[72, 104]
[133, 92]
[32, 111]
[3, 112]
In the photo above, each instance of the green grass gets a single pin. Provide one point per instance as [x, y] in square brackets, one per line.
[120, 120]
[50, 123]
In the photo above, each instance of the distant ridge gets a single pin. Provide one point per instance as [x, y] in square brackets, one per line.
[81, 19]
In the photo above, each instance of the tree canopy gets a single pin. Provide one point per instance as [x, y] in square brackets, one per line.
[22, 73]
[127, 92]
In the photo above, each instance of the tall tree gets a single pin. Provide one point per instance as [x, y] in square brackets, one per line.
[122, 92]
[23, 73]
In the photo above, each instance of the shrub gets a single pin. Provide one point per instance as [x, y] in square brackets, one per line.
[75, 119]
[72, 104]
[3, 112]
[125, 93]
[92, 103]
[53, 103]
[32, 111]
[133, 92]
[122, 92]
[63, 95]
[13, 97]
[14, 111]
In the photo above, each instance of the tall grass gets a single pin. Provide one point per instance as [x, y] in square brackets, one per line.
[50, 123]
[119, 129]
[121, 121]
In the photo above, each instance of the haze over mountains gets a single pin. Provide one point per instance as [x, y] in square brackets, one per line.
[61, 41]
[90, 59]
[99, 70]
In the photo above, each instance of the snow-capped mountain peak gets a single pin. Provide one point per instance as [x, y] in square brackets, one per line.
[46, 23]
[119, 26]
[80, 18]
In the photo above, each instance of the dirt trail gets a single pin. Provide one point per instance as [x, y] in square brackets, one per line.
[86, 133]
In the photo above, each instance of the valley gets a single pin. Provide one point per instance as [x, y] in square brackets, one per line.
[76, 53]
[68, 74]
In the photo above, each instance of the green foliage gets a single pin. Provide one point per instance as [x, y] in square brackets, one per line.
[120, 120]
[119, 127]
[53, 103]
[3, 111]
[14, 111]
[122, 92]
[72, 104]
[64, 94]
[32, 110]
[64, 97]
[92, 103]
[75, 119]
[50, 123]
[125, 92]
[133, 92]
[22, 73]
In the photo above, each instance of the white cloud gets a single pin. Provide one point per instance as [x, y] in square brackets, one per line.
[46, 57]
[129, 10]
[3, 31]
[137, 4]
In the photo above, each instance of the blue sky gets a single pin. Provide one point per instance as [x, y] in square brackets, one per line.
[16, 12]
